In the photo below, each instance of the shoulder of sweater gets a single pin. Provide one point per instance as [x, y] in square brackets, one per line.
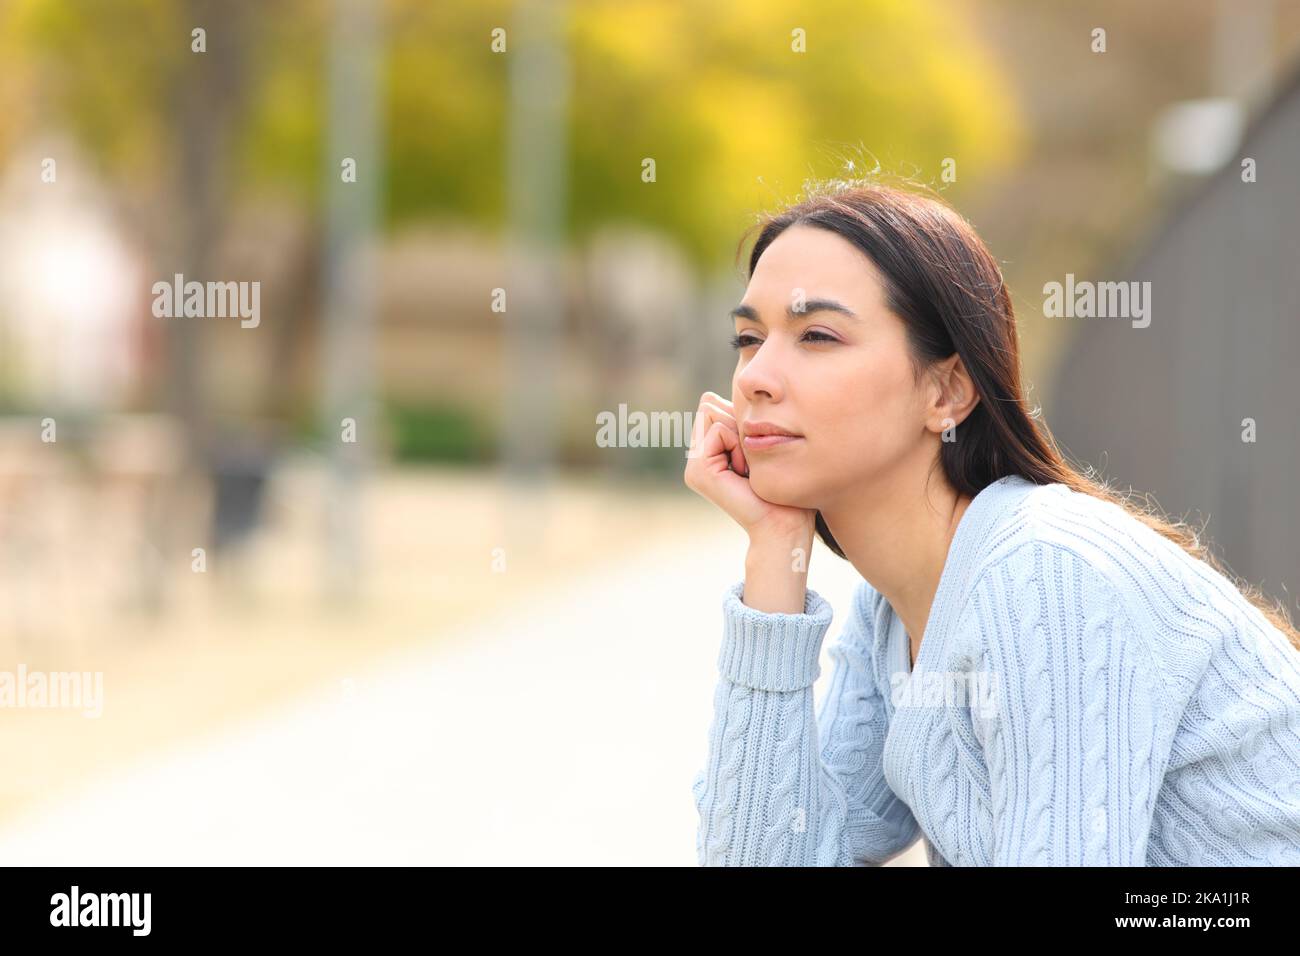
[1041, 599]
[1177, 607]
[1107, 538]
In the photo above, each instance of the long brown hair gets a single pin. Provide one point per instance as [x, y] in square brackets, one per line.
[945, 285]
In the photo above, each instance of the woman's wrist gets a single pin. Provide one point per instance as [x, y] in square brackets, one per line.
[776, 572]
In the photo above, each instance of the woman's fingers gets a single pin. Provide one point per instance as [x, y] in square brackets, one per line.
[725, 415]
[708, 456]
[731, 441]
[703, 421]
[715, 456]
[711, 412]
[708, 413]
[721, 415]
[735, 452]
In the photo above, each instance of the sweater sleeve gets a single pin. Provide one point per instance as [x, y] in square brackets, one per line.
[1074, 746]
[776, 791]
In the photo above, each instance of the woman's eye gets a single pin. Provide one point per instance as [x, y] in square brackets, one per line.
[745, 340]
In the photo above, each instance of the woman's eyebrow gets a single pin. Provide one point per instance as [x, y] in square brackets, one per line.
[809, 306]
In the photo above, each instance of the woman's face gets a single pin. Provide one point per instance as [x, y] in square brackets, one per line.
[842, 382]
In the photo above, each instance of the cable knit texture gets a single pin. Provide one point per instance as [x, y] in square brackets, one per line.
[1086, 694]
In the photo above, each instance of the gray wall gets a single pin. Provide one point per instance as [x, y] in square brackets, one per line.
[1160, 408]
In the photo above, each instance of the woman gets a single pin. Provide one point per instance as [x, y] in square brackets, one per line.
[1033, 671]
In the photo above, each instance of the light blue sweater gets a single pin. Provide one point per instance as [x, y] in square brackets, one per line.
[1086, 693]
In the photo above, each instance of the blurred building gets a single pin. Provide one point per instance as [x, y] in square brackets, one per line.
[638, 327]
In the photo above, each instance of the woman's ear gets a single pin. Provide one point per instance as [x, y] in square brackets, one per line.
[954, 393]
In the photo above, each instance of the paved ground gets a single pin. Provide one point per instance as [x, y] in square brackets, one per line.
[563, 732]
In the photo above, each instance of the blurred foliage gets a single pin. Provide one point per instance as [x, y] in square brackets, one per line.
[436, 431]
[735, 120]
[104, 69]
[415, 431]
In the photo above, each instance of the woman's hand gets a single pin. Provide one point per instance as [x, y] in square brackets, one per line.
[716, 469]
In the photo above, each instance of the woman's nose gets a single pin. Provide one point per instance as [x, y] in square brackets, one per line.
[761, 374]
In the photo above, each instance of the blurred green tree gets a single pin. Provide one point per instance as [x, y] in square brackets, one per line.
[716, 93]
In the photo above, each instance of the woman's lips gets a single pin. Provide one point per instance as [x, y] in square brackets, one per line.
[759, 442]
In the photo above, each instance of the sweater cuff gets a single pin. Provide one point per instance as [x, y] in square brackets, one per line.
[772, 650]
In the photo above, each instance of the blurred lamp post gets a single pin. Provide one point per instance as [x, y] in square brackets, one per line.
[537, 140]
[354, 134]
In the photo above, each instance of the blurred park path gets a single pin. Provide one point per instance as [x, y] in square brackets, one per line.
[563, 729]
[258, 629]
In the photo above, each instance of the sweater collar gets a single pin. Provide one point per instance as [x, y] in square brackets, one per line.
[965, 555]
